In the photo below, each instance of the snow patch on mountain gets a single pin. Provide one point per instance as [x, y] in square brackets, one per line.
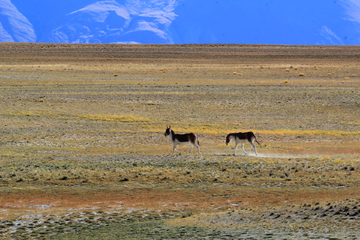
[331, 36]
[161, 10]
[352, 8]
[4, 35]
[100, 10]
[109, 21]
[14, 27]
[181, 21]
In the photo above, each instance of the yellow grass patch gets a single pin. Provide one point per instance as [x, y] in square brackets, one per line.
[224, 129]
[115, 118]
[94, 117]
[306, 132]
[151, 103]
[24, 114]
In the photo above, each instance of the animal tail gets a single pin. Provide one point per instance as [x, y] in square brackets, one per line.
[257, 140]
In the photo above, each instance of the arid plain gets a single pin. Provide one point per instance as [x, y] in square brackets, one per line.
[83, 153]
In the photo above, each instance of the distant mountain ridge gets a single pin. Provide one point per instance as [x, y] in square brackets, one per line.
[305, 22]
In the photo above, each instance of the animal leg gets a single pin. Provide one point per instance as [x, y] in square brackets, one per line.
[235, 149]
[254, 148]
[191, 147]
[198, 148]
[251, 144]
[242, 146]
[174, 149]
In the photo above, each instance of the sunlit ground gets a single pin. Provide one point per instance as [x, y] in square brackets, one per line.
[83, 151]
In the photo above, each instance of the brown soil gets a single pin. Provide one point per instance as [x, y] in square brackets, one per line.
[184, 53]
[70, 112]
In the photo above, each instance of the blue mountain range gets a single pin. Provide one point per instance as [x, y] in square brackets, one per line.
[303, 22]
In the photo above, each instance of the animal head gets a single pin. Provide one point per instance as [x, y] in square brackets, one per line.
[167, 131]
[228, 139]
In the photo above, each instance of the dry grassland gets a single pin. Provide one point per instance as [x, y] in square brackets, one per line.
[82, 144]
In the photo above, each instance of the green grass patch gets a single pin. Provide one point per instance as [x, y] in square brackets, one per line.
[146, 230]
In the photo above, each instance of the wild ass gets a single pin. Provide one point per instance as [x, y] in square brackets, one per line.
[242, 137]
[182, 139]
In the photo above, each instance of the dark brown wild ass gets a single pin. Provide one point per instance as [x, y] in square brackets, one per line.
[182, 139]
[242, 137]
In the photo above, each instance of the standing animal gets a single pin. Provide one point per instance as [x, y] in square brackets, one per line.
[242, 137]
[181, 139]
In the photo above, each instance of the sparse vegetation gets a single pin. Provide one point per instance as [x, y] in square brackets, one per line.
[97, 117]
[91, 159]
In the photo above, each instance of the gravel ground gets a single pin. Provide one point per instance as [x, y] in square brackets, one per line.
[83, 156]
